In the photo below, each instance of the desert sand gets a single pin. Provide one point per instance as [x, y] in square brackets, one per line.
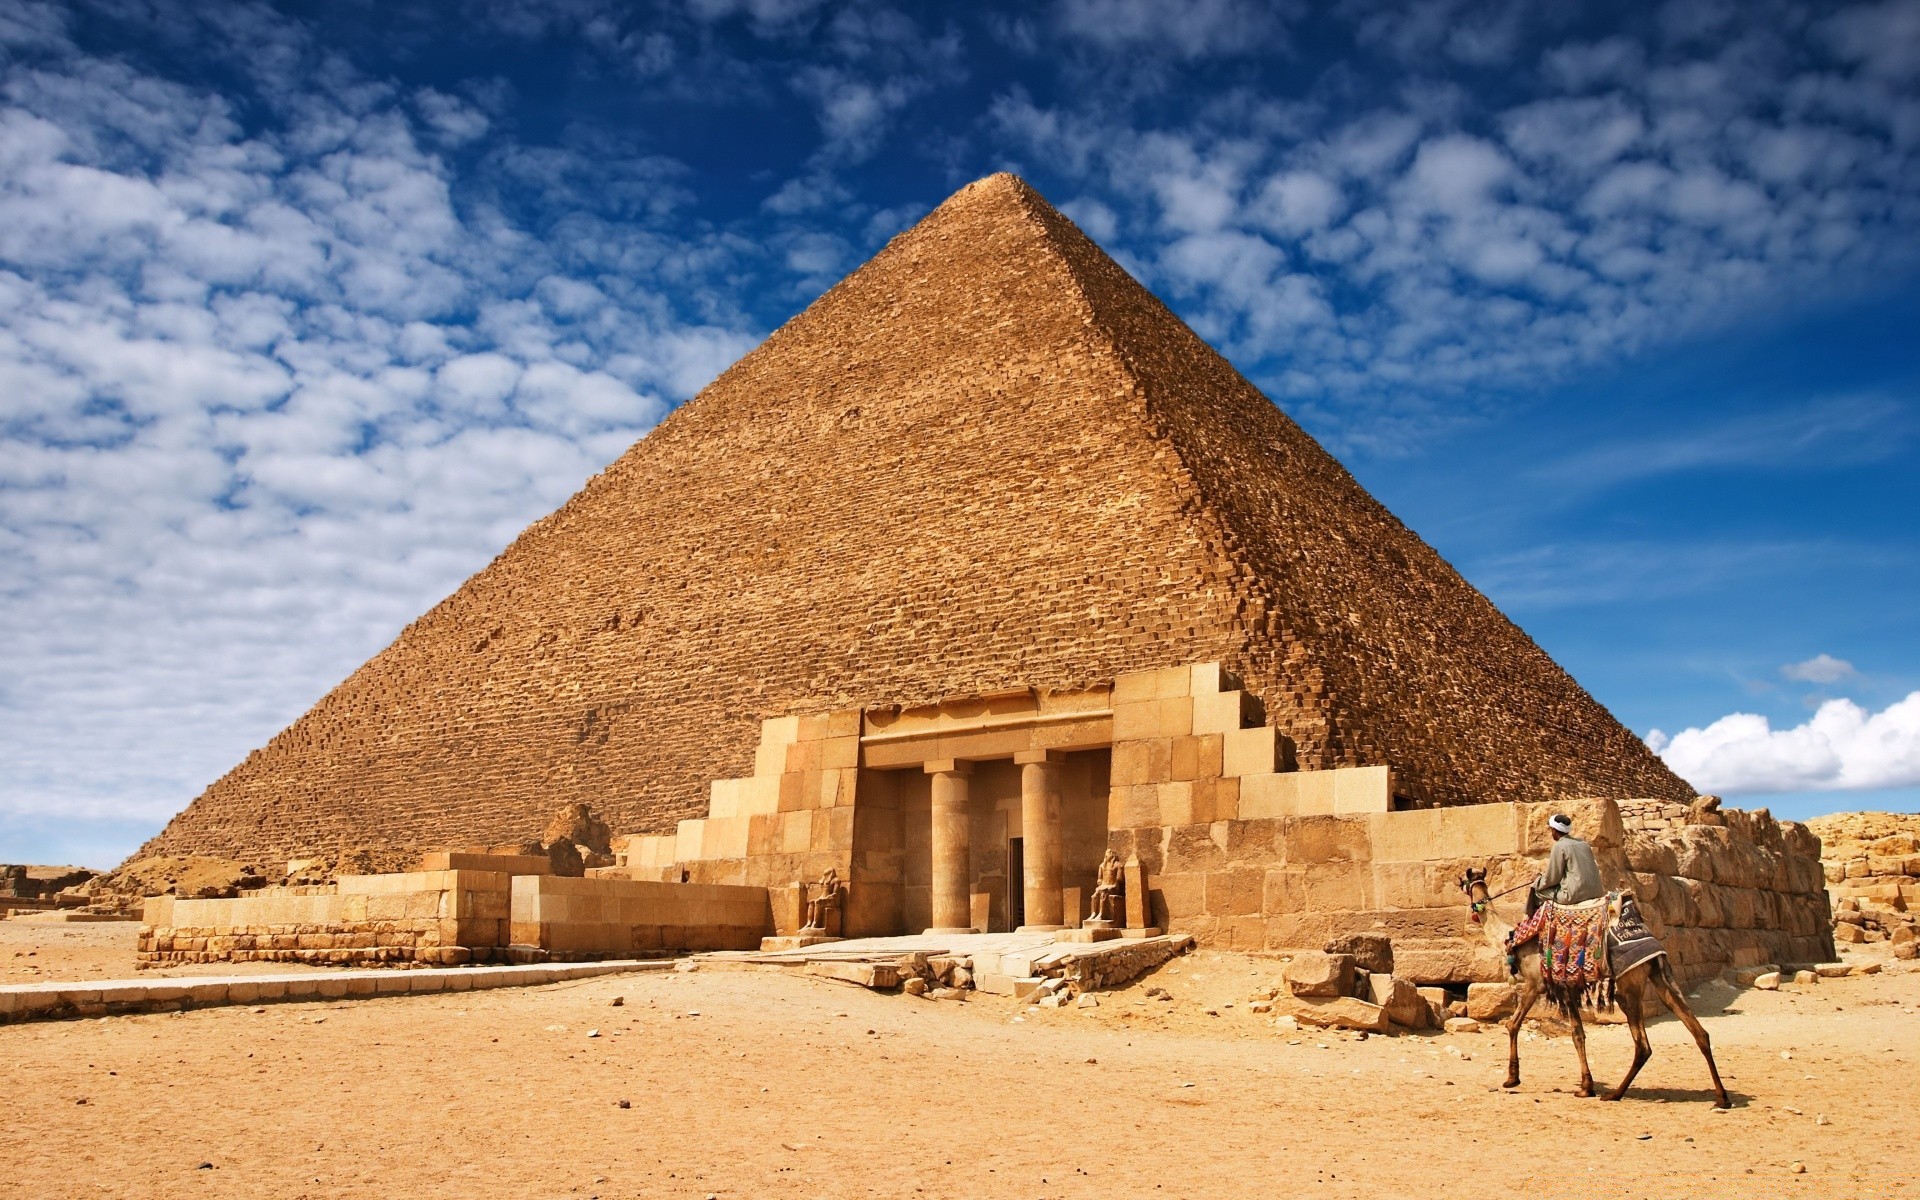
[758, 1083]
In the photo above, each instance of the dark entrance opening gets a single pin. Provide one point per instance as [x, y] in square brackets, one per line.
[1016, 884]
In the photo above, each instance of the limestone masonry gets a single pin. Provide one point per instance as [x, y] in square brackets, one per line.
[987, 462]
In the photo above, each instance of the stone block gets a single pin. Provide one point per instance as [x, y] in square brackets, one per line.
[1135, 687]
[1337, 1012]
[1134, 722]
[1135, 762]
[1175, 804]
[1233, 893]
[1454, 962]
[1362, 790]
[1207, 679]
[1255, 751]
[1491, 1001]
[1371, 952]
[1270, 795]
[1313, 793]
[1183, 894]
[1403, 1003]
[1221, 712]
[1325, 838]
[1337, 886]
[1133, 807]
[1317, 973]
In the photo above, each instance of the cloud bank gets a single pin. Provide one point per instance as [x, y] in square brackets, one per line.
[1843, 747]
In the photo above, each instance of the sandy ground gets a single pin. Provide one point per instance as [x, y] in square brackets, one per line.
[758, 1083]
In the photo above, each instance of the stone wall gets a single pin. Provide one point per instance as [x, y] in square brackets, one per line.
[1872, 859]
[1726, 887]
[561, 919]
[1744, 892]
[987, 459]
[434, 917]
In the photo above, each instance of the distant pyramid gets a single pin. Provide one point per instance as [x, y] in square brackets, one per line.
[987, 459]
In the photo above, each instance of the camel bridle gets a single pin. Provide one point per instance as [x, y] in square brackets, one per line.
[1478, 905]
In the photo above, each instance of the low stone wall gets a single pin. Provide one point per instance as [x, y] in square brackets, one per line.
[57, 1000]
[439, 917]
[555, 917]
[1748, 891]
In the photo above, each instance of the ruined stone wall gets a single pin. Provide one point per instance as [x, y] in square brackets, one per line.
[1872, 864]
[1737, 894]
[1727, 887]
[431, 917]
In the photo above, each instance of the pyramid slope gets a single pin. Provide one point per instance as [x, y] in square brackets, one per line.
[987, 458]
[1374, 647]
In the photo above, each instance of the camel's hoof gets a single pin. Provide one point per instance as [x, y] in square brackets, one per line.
[1511, 1083]
[1613, 1095]
[1723, 1102]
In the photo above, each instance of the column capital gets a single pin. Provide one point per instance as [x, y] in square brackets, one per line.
[948, 766]
[1030, 757]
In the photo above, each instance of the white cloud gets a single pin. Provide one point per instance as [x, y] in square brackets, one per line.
[1821, 668]
[1618, 193]
[269, 392]
[1842, 747]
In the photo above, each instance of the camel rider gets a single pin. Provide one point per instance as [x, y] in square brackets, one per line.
[1571, 876]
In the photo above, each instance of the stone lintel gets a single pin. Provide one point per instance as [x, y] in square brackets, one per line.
[1026, 757]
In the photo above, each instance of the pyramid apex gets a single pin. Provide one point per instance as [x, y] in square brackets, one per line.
[1001, 186]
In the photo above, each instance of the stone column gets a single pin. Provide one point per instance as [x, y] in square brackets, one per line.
[952, 847]
[1040, 837]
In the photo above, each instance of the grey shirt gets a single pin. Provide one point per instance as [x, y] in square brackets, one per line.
[1571, 875]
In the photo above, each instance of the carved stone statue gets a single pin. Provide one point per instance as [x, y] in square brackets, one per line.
[1109, 893]
[824, 907]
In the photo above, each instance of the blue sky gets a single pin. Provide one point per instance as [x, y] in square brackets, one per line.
[307, 309]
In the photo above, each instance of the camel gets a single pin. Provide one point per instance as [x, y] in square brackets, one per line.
[1629, 988]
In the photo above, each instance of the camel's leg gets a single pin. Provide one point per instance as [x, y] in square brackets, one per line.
[1627, 991]
[1580, 1048]
[1665, 987]
[1529, 992]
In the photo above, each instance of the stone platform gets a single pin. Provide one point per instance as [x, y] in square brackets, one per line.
[99, 998]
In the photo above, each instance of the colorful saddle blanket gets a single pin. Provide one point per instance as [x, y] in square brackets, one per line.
[1573, 951]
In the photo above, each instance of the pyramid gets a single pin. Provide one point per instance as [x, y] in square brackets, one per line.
[987, 459]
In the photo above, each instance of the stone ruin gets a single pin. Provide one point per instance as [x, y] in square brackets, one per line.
[980, 569]
[1873, 873]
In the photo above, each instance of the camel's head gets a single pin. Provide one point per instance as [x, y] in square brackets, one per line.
[1474, 884]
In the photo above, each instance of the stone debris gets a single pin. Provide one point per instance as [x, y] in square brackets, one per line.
[1462, 1025]
[1319, 974]
[1371, 952]
[867, 975]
